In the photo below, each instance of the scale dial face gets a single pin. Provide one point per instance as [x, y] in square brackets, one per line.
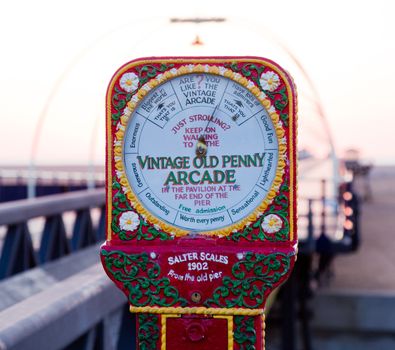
[200, 153]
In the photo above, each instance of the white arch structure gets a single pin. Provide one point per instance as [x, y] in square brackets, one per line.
[157, 27]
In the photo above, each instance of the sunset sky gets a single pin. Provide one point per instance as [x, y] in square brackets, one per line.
[57, 58]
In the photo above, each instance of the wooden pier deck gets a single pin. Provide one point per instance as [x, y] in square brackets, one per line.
[372, 267]
[356, 310]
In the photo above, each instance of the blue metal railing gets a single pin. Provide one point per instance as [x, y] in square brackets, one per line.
[91, 316]
[18, 253]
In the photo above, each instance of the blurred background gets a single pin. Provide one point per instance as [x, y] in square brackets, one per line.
[57, 58]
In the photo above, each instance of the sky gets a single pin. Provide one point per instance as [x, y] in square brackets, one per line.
[58, 56]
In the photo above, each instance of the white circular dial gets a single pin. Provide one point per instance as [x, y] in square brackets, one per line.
[200, 152]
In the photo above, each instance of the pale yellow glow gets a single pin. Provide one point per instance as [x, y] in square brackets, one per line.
[346, 46]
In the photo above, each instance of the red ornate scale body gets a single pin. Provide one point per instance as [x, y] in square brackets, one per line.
[201, 196]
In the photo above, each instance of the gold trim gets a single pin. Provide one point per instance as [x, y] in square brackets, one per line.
[263, 332]
[230, 329]
[200, 68]
[195, 310]
[164, 329]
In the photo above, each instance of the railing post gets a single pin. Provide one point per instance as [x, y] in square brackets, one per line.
[83, 234]
[17, 254]
[323, 209]
[54, 242]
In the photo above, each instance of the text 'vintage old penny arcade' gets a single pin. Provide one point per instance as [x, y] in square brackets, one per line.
[201, 196]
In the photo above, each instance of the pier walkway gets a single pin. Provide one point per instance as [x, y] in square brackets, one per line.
[372, 267]
[357, 309]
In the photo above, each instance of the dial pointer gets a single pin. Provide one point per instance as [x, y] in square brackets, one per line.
[201, 146]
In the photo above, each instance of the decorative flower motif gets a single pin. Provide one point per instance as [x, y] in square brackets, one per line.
[272, 223]
[269, 81]
[129, 221]
[157, 227]
[129, 82]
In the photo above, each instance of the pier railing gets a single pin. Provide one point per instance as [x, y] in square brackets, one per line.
[19, 254]
[54, 294]
[52, 299]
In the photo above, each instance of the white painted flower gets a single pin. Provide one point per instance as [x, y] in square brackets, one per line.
[173, 71]
[129, 82]
[206, 68]
[271, 223]
[190, 67]
[237, 76]
[159, 77]
[269, 81]
[117, 143]
[134, 99]
[119, 173]
[157, 227]
[250, 84]
[129, 221]
[271, 110]
[117, 158]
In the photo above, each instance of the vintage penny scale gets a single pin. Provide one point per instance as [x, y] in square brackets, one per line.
[201, 196]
